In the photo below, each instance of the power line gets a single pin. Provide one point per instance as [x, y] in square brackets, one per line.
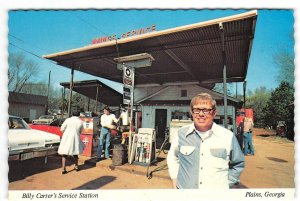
[117, 47]
[89, 24]
[15, 37]
[27, 43]
[30, 52]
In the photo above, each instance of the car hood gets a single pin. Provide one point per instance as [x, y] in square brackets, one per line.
[19, 139]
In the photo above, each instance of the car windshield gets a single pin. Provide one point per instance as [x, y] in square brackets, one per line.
[17, 123]
[57, 122]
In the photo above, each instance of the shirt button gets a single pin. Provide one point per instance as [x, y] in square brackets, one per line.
[201, 182]
[201, 168]
[202, 154]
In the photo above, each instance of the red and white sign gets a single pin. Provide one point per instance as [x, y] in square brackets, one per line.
[131, 33]
[128, 76]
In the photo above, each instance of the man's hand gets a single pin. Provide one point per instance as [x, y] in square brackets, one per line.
[174, 184]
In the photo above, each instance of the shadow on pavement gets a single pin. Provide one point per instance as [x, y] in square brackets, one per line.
[158, 160]
[19, 170]
[277, 159]
[240, 185]
[96, 183]
[264, 135]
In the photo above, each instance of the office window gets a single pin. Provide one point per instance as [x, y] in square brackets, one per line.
[183, 93]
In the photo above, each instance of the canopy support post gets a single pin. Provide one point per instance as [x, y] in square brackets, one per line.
[71, 88]
[63, 102]
[244, 94]
[96, 99]
[224, 74]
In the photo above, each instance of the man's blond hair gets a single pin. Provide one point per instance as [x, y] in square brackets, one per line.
[203, 96]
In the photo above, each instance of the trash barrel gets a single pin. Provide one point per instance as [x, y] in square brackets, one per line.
[118, 156]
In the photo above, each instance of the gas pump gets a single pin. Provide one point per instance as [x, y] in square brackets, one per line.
[90, 135]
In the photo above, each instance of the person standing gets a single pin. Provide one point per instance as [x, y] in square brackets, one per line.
[204, 154]
[248, 126]
[106, 122]
[70, 144]
[240, 134]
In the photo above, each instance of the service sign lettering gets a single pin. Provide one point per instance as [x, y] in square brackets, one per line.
[127, 34]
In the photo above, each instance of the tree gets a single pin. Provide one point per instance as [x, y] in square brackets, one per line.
[40, 88]
[280, 107]
[37, 88]
[83, 102]
[285, 61]
[219, 87]
[20, 71]
[257, 100]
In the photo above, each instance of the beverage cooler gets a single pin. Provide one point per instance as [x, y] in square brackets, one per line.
[175, 125]
[90, 135]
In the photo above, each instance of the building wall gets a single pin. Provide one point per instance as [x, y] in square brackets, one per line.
[168, 93]
[174, 93]
[23, 110]
[148, 113]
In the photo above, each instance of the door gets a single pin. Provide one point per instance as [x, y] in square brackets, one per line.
[32, 114]
[160, 126]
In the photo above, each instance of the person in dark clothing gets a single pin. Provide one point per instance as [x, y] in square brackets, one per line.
[240, 136]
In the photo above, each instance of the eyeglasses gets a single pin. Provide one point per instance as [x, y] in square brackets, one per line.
[204, 110]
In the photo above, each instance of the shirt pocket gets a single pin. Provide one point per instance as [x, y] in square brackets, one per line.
[219, 153]
[186, 155]
[219, 158]
[187, 150]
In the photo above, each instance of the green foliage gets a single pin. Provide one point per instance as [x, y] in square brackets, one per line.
[284, 60]
[83, 102]
[280, 107]
[257, 100]
[219, 87]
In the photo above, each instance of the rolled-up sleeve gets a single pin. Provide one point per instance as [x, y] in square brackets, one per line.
[172, 158]
[237, 162]
[63, 126]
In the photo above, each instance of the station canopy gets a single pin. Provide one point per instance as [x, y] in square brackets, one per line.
[96, 90]
[191, 53]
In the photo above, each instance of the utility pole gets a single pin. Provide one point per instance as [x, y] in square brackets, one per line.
[48, 92]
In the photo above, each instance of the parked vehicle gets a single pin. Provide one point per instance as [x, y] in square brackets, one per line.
[44, 119]
[281, 129]
[26, 143]
[53, 127]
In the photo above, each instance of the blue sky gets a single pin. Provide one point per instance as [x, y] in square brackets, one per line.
[45, 32]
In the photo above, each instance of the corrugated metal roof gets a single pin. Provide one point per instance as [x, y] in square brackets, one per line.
[15, 97]
[183, 54]
[106, 94]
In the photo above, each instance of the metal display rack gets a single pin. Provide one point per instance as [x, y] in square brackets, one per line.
[143, 147]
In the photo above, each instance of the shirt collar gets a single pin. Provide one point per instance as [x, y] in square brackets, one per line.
[192, 129]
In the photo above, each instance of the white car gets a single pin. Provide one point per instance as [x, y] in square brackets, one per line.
[25, 143]
[44, 119]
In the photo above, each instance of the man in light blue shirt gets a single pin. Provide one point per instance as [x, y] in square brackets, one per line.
[204, 154]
